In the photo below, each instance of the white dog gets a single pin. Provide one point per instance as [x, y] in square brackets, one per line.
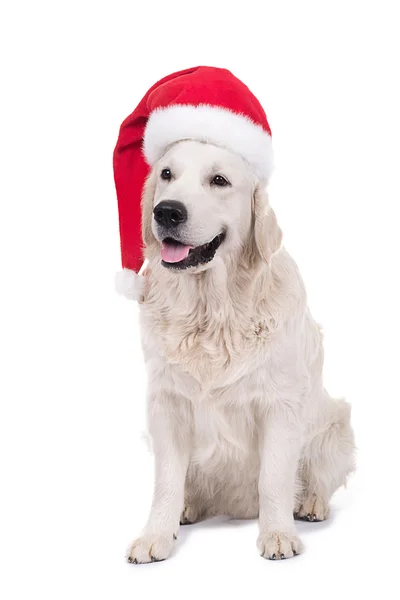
[240, 421]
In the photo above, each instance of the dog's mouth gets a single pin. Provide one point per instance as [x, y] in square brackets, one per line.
[175, 255]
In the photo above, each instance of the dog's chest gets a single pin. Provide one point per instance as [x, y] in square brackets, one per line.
[213, 352]
[223, 431]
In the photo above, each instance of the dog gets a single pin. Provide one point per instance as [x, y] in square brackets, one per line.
[240, 422]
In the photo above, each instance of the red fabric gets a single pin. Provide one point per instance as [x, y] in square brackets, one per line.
[199, 85]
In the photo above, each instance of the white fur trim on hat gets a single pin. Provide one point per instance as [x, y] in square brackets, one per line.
[215, 125]
[128, 283]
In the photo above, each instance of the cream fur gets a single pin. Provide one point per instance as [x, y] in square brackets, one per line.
[240, 422]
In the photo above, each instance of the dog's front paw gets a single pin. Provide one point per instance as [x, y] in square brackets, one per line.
[277, 546]
[151, 548]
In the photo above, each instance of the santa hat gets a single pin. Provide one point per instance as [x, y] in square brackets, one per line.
[204, 103]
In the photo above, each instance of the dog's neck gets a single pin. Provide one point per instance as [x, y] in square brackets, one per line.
[216, 295]
[205, 321]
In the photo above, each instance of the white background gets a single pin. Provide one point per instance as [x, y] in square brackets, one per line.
[76, 477]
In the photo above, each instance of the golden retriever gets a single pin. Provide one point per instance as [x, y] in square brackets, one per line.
[240, 422]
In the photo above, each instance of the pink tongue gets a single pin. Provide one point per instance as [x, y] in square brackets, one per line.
[173, 253]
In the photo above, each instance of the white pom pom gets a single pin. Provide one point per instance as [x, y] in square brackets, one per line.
[129, 284]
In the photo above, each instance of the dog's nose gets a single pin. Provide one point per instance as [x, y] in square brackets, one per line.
[170, 213]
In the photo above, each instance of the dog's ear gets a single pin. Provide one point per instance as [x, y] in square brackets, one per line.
[149, 189]
[267, 233]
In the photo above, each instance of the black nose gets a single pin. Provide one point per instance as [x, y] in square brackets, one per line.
[170, 213]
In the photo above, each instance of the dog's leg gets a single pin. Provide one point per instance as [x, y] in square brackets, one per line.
[198, 496]
[280, 441]
[327, 460]
[170, 426]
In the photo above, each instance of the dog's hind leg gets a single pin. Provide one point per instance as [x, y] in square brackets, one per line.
[327, 460]
[199, 502]
[190, 515]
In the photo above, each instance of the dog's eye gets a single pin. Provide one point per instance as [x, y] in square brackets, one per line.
[220, 181]
[166, 174]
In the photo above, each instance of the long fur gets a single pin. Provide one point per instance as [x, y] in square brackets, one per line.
[240, 421]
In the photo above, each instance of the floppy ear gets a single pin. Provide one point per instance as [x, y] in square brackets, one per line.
[267, 233]
[149, 189]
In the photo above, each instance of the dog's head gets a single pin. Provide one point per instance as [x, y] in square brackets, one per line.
[201, 200]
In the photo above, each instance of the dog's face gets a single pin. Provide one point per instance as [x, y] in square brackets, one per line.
[198, 201]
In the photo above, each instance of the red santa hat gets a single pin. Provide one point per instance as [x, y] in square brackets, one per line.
[204, 103]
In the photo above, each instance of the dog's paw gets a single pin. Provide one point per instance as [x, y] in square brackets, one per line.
[189, 515]
[312, 509]
[277, 545]
[151, 548]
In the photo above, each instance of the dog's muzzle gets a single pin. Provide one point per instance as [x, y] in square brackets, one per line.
[180, 256]
[170, 213]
